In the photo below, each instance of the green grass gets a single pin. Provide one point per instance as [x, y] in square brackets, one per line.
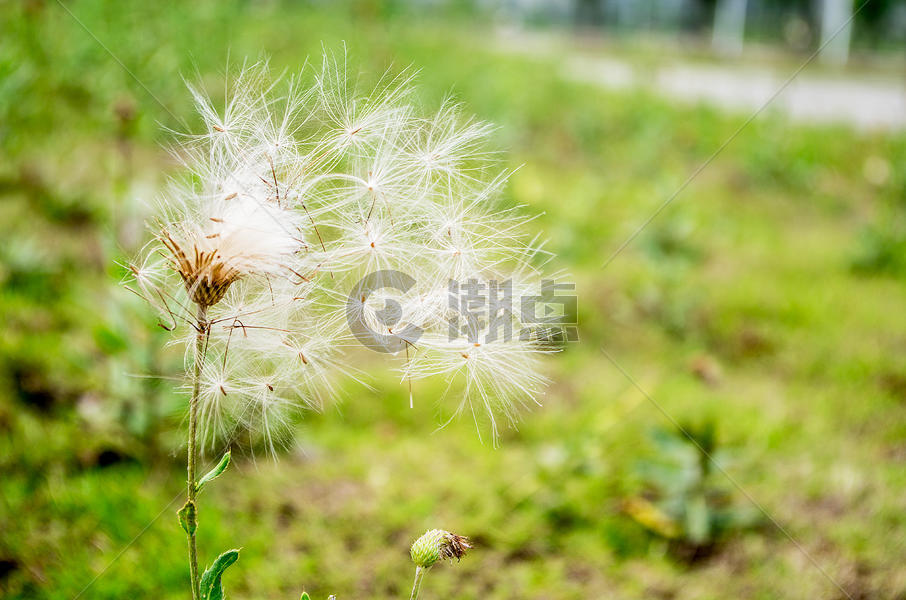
[781, 265]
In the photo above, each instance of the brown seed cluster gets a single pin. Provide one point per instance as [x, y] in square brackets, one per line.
[206, 275]
[453, 546]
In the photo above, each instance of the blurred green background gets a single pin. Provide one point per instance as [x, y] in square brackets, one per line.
[763, 310]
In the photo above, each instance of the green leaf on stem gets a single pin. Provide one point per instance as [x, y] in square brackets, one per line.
[188, 517]
[215, 472]
[305, 596]
[211, 588]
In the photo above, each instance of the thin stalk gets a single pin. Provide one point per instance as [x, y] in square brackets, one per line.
[419, 575]
[192, 458]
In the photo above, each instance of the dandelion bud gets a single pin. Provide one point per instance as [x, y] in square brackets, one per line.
[436, 545]
[426, 549]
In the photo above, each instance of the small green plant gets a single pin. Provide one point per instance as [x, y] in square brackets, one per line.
[434, 546]
[666, 294]
[881, 249]
[305, 596]
[682, 500]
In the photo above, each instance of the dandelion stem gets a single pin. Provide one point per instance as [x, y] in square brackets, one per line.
[192, 459]
[419, 575]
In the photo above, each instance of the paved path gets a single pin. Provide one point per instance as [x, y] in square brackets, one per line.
[863, 102]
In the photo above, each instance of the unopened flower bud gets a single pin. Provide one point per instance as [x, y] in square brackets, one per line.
[436, 545]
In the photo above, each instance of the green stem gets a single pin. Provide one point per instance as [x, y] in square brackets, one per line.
[192, 458]
[419, 575]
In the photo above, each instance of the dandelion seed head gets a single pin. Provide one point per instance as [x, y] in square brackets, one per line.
[295, 190]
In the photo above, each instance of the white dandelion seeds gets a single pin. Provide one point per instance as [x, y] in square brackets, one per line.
[290, 198]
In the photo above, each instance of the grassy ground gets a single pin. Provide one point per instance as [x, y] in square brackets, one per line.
[767, 301]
